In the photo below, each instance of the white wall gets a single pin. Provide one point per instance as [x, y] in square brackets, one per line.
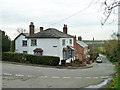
[67, 43]
[18, 44]
[46, 45]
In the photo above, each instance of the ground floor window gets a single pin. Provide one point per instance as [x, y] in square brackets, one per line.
[38, 51]
[25, 52]
[68, 53]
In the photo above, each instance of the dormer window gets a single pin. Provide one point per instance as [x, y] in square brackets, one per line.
[63, 42]
[33, 42]
[24, 43]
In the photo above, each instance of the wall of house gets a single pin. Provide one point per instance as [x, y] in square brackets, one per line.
[79, 52]
[18, 44]
[49, 46]
[67, 43]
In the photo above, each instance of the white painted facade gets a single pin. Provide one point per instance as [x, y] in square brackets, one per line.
[50, 46]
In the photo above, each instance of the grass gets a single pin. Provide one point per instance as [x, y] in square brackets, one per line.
[116, 81]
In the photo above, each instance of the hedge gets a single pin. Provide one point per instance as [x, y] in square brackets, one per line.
[29, 58]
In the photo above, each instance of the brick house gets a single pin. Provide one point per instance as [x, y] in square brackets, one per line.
[81, 49]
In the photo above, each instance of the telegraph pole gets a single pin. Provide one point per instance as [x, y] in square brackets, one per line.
[93, 49]
[118, 34]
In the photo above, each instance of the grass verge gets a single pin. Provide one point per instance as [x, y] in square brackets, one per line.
[115, 81]
[115, 84]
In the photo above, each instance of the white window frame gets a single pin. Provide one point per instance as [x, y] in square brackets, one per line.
[33, 42]
[25, 52]
[63, 42]
[38, 53]
[23, 43]
[70, 41]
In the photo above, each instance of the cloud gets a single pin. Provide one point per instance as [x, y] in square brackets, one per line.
[18, 13]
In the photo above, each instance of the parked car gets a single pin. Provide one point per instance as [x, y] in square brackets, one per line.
[99, 60]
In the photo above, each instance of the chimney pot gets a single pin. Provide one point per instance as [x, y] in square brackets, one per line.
[31, 28]
[31, 23]
[41, 29]
[80, 38]
[65, 28]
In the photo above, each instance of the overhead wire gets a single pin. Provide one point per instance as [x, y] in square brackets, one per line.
[71, 15]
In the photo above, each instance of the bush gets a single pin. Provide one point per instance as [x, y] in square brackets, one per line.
[34, 59]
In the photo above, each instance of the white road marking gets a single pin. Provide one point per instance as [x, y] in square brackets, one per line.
[45, 76]
[7, 74]
[77, 77]
[55, 77]
[87, 77]
[107, 76]
[30, 76]
[95, 77]
[65, 77]
[41, 76]
[102, 77]
[19, 75]
[71, 77]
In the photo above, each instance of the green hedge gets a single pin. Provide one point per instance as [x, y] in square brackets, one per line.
[29, 58]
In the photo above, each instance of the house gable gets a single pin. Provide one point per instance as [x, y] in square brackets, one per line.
[24, 34]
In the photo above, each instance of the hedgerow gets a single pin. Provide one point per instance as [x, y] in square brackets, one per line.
[34, 59]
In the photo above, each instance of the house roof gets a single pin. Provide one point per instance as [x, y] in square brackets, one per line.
[82, 44]
[50, 33]
[68, 48]
[24, 34]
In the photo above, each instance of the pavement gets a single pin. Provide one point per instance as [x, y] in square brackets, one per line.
[47, 66]
[28, 76]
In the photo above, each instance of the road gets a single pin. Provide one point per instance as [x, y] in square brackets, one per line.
[21, 76]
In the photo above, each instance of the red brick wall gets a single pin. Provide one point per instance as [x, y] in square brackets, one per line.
[80, 52]
[31, 28]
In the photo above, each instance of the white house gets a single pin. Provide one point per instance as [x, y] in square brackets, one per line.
[51, 42]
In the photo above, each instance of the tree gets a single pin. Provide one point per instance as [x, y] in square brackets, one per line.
[108, 7]
[12, 46]
[111, 48]
[20, 30]
[5, 42]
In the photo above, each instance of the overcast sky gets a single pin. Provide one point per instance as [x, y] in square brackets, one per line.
[19, 13]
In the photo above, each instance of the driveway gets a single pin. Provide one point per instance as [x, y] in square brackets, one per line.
[21, 76]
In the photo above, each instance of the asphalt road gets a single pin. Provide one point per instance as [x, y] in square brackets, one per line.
[21, 76]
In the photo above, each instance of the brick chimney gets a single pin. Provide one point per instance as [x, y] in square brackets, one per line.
[75, 46]
[80, 38]
[75, 41]
[65, 29]
[31, 28]
[41, 29]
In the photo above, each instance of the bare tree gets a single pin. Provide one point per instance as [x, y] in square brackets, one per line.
[108, 7]
[21, 30]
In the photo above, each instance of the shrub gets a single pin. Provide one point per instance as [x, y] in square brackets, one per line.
[34, 59]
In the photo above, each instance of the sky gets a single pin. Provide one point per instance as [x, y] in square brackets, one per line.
[82, 17]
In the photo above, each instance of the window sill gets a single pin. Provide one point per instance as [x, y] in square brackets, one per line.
[24, 46]
[33, 45]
